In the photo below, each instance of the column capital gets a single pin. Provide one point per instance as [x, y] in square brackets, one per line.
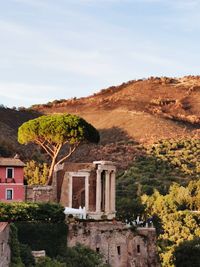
[108, 172]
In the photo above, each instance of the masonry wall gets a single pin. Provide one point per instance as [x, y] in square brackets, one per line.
[39, 194]
[119, 245]
[4, 246]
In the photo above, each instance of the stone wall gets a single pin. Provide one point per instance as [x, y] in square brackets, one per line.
[39, 194]
[120, 246]
[4, 245]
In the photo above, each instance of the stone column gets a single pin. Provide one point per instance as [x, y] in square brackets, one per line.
[87, 192]
[107, 193]
[70, 192]
[112, 191]
[98, 191]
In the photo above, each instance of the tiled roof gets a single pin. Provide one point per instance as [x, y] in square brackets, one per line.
[11, 162]
[3, 226]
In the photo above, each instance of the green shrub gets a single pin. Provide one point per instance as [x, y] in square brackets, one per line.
[48, 262]
[52, 237]
[81, 256]
[188, 254]
[14, 247]
[26, 255]
[21, 211]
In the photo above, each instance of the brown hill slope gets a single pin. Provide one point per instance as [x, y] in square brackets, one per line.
[134, 113]
[147, 110]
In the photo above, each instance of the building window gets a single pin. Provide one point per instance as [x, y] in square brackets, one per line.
[119, 250]
[9, 172]
[138, 249]
[9, 194]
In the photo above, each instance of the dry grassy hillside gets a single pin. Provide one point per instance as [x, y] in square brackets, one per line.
[134, 113]
[147, 110]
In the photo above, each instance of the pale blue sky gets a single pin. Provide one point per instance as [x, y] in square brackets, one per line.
[53, 49]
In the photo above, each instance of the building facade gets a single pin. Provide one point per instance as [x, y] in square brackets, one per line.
[11, 180]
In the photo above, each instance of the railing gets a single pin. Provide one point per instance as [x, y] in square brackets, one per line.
[10, 180]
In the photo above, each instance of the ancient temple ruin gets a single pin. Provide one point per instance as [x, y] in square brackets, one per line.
[92, 187]
[89, 185]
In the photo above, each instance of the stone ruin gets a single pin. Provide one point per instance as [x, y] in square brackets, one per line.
[91, 187]
[120, 245]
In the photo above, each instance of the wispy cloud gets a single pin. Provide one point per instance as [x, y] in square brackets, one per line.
[27, 93]
[10, 27]
[47, 46]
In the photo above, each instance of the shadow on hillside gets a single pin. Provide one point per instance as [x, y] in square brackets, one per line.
[14, 118]
[113, 135]
[115, 145]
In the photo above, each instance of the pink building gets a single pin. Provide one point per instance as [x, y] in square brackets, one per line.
[11, 180]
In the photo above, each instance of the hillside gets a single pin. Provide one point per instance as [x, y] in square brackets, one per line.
[134, 113]
[10, 120]
[147, 110]
[134, 120]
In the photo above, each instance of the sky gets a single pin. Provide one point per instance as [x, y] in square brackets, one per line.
[73, 48]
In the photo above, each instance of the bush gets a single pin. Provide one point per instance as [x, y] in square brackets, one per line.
[14, 247]
[21, 211]
[188, 254]
[52, 237]
[81, 256]
[48, 262]
[26, 255]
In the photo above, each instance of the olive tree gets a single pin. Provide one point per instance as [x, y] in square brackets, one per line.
[52, 132]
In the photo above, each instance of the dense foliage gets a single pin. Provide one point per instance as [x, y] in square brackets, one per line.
[26, 255]
[177, 217]
[167, 180]
[52, 132]
[188, 254]
[15, 260]
[51, 237]
[21, 211]
[81, 256]
[78, 256]
[36, 173]
[48, 262]
[183, 155]
[164, 163]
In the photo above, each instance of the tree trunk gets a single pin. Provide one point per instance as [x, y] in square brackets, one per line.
[53, 162]
[50, 176]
